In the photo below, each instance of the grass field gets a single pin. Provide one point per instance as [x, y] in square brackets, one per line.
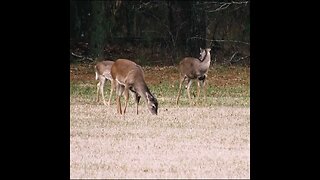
[207, 140]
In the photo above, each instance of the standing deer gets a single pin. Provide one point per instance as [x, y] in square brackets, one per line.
[127, 75]
[191, 68]
[103, 72]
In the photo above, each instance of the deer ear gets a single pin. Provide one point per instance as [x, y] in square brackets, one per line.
[200, 49]
[209, 49]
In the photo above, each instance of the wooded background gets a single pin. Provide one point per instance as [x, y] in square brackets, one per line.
[154, 32]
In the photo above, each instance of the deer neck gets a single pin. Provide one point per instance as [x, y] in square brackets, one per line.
[205, 62]
[142, 89]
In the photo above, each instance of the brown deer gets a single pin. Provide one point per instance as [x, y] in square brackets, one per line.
[128, 75]
[191, 68]
[103, 72]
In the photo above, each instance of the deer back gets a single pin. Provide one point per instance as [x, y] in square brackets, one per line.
[125, 71]
[189, 67]
[104, 68]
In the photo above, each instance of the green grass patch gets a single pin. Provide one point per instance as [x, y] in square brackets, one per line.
[166, 93]
[216, 95]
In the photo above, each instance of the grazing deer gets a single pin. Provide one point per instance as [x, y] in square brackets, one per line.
[191, 68]
[127, 75]
[103, 72]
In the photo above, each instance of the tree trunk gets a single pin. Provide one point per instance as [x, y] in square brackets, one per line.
[75, 21]
[98, 32]
[198, 30]
[130, 20]
[173, 30]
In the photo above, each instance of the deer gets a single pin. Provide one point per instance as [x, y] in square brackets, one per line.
[103, 72]
[191, 68]
[129, 76]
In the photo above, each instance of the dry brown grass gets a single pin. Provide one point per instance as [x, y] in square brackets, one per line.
[207, 141]
[188, 142]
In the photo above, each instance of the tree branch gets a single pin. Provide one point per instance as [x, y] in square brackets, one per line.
[240, 59]
[223, 5]
[233, 56]
[81, 57]
[221, 40]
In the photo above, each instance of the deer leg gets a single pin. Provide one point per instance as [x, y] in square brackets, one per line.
[180, 87]
[111, 91]
[119, 93]
[126, 97]
[137, 100]
[198, 90]
[103, 80]
[118, 104]
[201, 83]
[98, 89]
[204, 87]
[188, 90]
[136, 97]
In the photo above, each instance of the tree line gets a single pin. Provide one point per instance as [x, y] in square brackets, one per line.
[160, 32]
